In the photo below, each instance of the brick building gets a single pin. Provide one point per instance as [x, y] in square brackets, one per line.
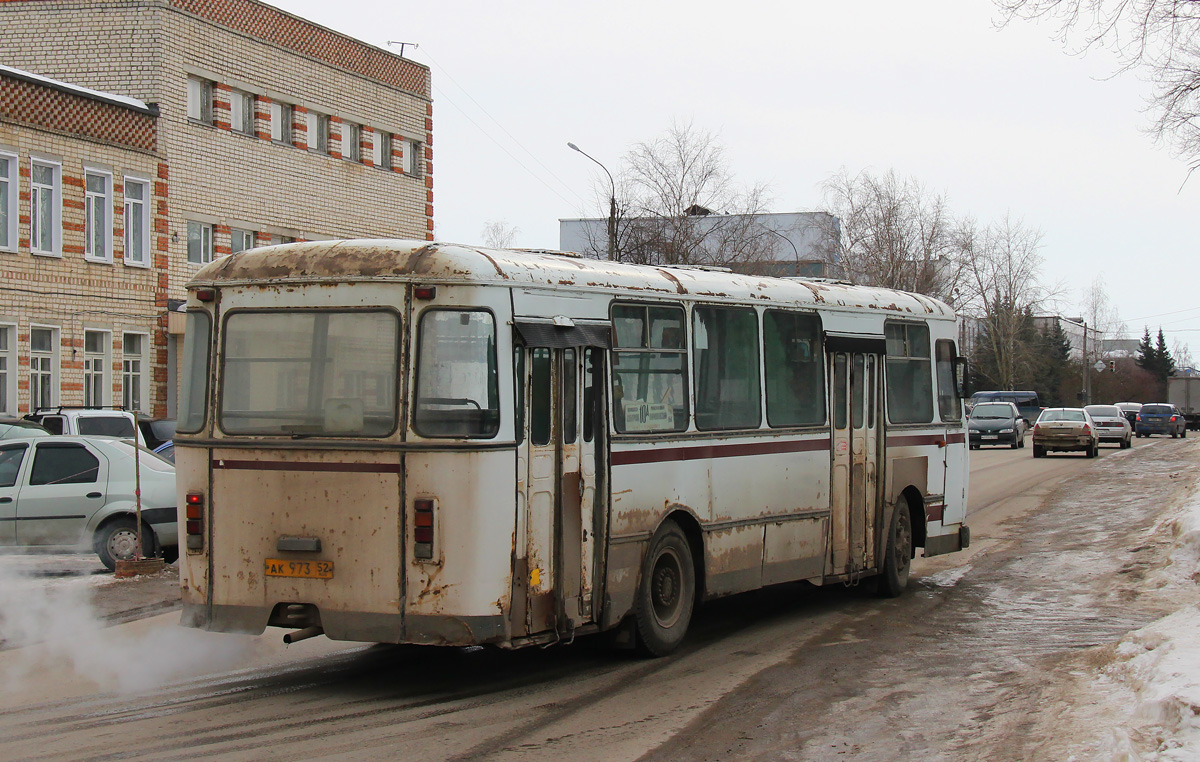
[81, 286]
[268, 128]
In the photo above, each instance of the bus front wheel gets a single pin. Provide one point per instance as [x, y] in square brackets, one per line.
[897, 559]
[666, 593]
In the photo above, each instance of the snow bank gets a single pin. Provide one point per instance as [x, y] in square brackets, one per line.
[1160, 664]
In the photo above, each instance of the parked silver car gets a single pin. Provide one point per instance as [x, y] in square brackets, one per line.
[79, 492]
[1111, 424]
[1063, 429]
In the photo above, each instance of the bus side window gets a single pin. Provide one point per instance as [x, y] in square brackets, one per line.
[907, 373]
[949, 403]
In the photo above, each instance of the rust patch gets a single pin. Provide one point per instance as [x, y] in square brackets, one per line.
[671, 277]
[499, 270]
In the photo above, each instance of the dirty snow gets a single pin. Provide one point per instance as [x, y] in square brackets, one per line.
[1160, 663]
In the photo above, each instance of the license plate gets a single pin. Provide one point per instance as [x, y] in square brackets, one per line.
[991, 436]
[307, 569]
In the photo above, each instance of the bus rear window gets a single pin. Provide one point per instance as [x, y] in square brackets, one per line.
[310, 373]
[457, 378]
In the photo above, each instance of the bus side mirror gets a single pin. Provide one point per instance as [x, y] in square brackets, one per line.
[964, 378]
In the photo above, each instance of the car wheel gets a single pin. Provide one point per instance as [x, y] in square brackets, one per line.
[117, 541]
[1039, 451]
[1183, 432]
[897, 560]
[1126, 443]
[1015, 443]
[667, 592]
[170, 555]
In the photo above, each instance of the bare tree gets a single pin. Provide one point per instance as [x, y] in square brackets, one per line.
[897, 234]
[678, 203]
[1182, 354]
[1004, 266]
[498, 234]
[1101, 316]
[1160, 37]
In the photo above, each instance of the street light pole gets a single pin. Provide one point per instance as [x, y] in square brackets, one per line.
[612, 203]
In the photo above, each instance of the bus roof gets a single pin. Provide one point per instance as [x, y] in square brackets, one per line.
[434, 262]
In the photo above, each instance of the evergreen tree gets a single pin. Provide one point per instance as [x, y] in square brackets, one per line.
[1145, 358]
[1054, 366]
[1165, 364]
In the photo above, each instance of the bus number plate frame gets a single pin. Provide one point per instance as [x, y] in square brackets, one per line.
[279, 567]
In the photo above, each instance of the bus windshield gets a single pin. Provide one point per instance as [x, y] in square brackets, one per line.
[309, 373]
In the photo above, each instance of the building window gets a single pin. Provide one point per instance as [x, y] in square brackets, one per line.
[318, 132]
[281, 122]
[200, 243]
[241, 112]
[95, 368]
[43, 356]
[383, 150]
[137, 222]
[351, 141]
[241, 240]
[97, 203]
[199, 100]
[8, 202]
[281, 239]
[45, 200]
[8, 369]
[133, 371]
[410, 161]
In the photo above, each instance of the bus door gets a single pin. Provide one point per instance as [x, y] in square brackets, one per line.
[856, 426]
[562, 437]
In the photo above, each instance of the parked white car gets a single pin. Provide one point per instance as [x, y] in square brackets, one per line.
[88, 421]
[78, 492]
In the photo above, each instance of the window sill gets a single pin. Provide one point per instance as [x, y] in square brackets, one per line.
[96, 260]
[54, 254]
[135, 263]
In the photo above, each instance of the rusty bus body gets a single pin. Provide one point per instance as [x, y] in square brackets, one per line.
[406, 442]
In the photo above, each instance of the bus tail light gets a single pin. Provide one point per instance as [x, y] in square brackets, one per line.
[423, 528]
[194, 516]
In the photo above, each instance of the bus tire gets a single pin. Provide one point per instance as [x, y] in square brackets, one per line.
[897, 559]
[666, 593]
[117, 541]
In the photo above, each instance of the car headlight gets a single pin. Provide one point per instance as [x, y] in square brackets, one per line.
[1006, 431]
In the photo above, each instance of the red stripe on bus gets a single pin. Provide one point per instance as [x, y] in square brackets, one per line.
[278, 465]
[661, 455]
[901, 440]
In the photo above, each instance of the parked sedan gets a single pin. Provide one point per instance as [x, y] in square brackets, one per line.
[1161, 418]
[1111, 425]
[1065, 429]
[79, 492]
[996, 423]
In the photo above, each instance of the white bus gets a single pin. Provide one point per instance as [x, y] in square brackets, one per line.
[411, 442]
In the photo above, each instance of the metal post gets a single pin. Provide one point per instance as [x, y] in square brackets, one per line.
[612, 203]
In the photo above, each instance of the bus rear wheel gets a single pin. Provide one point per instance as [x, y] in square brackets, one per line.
[667, 592]
[897, 560]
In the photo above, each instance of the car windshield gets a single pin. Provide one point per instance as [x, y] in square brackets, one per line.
[1061, 415]
[1103, 411]
[1156, 409]
[991, 410]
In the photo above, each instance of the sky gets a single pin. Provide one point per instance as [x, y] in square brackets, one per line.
[1001, 119]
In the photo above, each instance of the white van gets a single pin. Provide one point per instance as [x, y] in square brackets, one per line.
[88, 421]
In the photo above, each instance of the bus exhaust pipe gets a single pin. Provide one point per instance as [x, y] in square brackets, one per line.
[305, 634]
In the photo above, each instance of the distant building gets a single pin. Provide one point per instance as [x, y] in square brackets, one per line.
[1098, 348]
[801, 243]
[268, 128]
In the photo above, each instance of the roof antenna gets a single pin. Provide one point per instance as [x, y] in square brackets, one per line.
[402, 45]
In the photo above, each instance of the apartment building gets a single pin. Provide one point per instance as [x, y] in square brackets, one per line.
[269, 128]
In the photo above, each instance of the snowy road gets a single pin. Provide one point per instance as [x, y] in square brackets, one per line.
[1012, 650]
